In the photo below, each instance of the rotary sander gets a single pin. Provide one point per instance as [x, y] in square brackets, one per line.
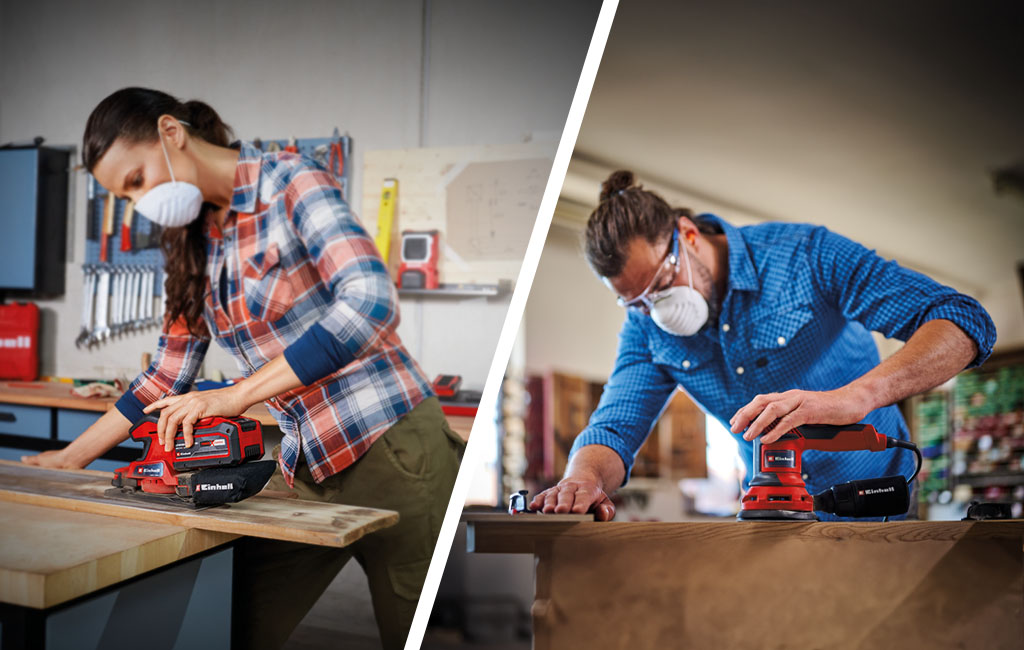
[221, 466]
[778, 491]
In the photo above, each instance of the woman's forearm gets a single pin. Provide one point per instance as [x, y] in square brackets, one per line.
[104, 434]
[271, 380]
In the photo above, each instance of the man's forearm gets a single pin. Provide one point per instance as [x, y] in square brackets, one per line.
[599, 464]
[937, 351]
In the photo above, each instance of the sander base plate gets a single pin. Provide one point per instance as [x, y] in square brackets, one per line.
[776, 515]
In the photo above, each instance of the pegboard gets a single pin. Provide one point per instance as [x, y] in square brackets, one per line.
[145, 234]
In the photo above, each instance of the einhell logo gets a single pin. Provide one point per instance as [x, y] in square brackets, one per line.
[871, 491]
[215, 486]
[20, 342]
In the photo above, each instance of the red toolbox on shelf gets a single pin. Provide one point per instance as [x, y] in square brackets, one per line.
[19, 341]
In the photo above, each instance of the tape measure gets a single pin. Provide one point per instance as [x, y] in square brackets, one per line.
[386, 217]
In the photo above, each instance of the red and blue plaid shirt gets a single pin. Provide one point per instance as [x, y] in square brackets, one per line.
[295, 273]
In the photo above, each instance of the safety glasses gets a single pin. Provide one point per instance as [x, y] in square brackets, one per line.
[666, 272]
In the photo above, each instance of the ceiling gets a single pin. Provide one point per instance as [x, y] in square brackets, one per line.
[882, 121]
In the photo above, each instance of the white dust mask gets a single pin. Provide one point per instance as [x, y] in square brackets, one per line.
[680, 310]
[171, 204]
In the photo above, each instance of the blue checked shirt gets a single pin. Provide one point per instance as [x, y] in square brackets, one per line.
[295, 273]
[800, 304]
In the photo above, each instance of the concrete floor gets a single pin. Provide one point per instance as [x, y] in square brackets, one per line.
[342, 618]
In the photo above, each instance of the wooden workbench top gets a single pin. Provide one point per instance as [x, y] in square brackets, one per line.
[752, 585]
[500, 533]
[50, 556]
[53, 394]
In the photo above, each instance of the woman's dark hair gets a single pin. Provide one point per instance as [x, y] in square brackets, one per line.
[132, 114]
[626, 211]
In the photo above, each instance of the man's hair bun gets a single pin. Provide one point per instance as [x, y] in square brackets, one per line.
[617, 183]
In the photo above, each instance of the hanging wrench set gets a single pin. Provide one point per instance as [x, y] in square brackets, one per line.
[117, 299]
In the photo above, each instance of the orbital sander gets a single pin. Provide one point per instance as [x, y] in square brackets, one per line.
[778, 491]
[221, 466]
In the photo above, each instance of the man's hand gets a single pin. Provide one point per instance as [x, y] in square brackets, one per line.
[183, 411]
[577, 496]
[53, 459]
[846, 405]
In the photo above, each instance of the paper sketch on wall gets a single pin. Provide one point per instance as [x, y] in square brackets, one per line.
[492, 207]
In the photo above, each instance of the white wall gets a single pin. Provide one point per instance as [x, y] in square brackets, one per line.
[495, 73]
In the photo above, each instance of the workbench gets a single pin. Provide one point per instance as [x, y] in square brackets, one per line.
[80, 571]
[36, 416]
[729, 584]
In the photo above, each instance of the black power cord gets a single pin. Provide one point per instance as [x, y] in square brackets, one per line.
[905, 444]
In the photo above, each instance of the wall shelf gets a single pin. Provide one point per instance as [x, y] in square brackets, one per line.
[451, 291]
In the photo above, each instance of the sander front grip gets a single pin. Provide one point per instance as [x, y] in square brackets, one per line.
[848, 437]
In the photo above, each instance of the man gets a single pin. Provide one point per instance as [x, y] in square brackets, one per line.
[759, 325]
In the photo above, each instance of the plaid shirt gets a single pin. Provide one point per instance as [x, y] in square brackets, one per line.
[796, 315]
[295, 273]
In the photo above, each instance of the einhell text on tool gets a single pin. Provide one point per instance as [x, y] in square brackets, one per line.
[419, 260]
[19, 341]
[778, 491]
[222, 466]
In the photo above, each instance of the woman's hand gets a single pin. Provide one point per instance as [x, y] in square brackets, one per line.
[53, 459]
[183, 411]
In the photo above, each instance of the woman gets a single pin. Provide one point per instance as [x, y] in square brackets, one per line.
[263, 254]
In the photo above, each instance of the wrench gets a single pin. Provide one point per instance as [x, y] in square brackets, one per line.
[133, 299]
[101, 331]
[115, 299]
[88, 298]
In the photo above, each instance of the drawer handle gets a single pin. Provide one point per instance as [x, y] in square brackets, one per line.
[6, 416]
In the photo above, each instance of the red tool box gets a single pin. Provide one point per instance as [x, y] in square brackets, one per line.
[19, 341]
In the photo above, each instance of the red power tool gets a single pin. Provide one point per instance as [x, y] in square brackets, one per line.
[222, 466]
[778, 491]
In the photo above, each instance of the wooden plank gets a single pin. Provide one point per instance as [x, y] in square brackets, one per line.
[775, 584]
[50, 556]
[295, 520]
[497, 534]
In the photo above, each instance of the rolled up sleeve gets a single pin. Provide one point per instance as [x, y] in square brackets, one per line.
[888, 298]
[365, 307]
[174, 368]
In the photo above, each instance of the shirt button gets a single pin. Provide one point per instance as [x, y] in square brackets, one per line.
[686, 364]
[805, 476]
[725, 327]
[782, 340]
[739, 371]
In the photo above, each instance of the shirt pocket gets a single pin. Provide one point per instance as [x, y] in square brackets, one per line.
[777, 330]
[268, 291]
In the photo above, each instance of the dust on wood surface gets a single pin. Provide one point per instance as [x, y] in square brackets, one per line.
[292, 520]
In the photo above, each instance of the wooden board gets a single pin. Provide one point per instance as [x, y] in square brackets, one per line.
[295, 520]
[50, 556]
[770, 584]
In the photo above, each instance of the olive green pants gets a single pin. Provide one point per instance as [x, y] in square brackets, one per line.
[411, 468]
